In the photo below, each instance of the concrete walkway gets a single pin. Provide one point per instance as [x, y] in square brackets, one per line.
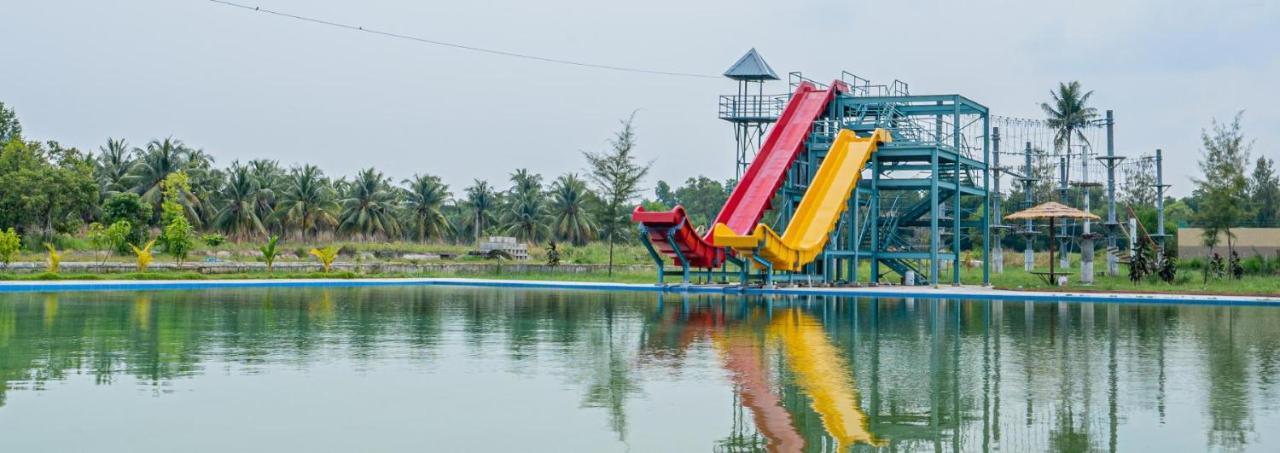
[946, 292]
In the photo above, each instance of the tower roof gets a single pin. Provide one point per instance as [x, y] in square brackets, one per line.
[751, 67]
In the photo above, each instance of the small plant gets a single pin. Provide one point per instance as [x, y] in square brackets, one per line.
[213, 239]
[55, 258]
[10, 243]
[144, 255]
[1168, 269]
[1140, 264]
[326, 256]
[107, 240]
[269, 252]
[1237, 271]
[179, 238]
[1214, 268]
[553, 255]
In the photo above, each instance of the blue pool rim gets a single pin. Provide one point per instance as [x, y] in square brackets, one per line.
[895, 292]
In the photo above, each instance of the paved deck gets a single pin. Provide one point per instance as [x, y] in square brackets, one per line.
[945, 292]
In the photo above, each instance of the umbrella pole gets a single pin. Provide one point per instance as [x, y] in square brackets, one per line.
[1053, 279]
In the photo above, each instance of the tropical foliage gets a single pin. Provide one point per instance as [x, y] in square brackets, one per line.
[326, 256]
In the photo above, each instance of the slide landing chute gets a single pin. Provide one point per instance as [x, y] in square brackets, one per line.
[670, 231]
[825, 199]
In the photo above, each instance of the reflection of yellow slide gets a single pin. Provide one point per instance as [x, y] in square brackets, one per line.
[819, 210]
[824, 375]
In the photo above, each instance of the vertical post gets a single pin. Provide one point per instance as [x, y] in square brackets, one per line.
[1086, 241]
[1029, 253]
[996, 248]
[933, 218]
[1113, 263]
[955, 214]
[1064, 244]
[987, 257]
[1160, 186]
[874, 218]
[1052, 276]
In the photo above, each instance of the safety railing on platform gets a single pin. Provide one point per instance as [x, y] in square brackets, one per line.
[752, 107]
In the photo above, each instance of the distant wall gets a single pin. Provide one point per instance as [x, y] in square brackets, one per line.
[1248, 242]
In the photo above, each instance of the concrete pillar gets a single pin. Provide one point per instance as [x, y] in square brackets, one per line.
[1064, 243]
[1029, 253]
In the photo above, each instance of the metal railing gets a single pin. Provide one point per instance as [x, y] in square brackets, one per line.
[752, 107]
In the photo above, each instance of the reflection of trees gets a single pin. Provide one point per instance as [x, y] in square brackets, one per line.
[938, 375]
[1230, 420]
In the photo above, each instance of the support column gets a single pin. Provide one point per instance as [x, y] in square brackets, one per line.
[1029, 253]
[1160, 187]
[956, 214]
[1086, 241]
[873, 218]
[934, 243]
[996, 218]
[1064, 235]
[1113, 262]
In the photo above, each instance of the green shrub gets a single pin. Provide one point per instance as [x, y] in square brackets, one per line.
[131, 208]
[55, 258]
[10, 244]
[213, 239]
[269, 252]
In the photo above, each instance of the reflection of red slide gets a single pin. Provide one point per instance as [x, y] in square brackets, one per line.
[742, 358]
[670, 230]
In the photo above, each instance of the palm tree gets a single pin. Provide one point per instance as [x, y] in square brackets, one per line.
[571, 221]
[479, 205]
[268, 175]
[113, 165]
[368, 207]
[1069, 114]
[526, 206]
[425, 197]
[306, 201]
[238, 216]
[151, 167]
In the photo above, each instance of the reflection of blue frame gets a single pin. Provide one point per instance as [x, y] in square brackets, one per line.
[958, 294]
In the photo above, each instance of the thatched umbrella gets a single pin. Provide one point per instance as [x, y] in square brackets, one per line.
[1051, 211]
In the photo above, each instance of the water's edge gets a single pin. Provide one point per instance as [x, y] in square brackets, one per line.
[945, 292]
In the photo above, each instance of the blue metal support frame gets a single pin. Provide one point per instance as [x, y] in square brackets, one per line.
[657, 258]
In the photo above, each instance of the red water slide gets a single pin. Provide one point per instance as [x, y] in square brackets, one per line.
[670, 231]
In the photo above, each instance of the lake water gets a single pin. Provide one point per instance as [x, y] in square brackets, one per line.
[457, 369]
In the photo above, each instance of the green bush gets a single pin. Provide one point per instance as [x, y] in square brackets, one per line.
[128, 207]
[213, 239]
[10, 244]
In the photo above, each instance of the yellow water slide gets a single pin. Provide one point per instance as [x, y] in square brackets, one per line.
[819, 210]
[823, 374]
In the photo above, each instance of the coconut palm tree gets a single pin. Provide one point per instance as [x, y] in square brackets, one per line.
[1069, 114]
[571, 220]
[162, 157]
[238, 217]
[525, 211]
[479, 205]
[269, 176]
[306, 202]
[112, 166]
[368, 207]
[151, 167]
[425, 197]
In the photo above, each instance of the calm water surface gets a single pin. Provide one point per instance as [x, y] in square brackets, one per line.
[431, 369]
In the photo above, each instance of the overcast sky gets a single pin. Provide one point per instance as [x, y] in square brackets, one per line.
[244, 85]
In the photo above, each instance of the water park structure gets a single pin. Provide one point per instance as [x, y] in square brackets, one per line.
[835, 178]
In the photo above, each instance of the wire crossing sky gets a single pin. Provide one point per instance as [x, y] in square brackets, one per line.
[462, 46]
